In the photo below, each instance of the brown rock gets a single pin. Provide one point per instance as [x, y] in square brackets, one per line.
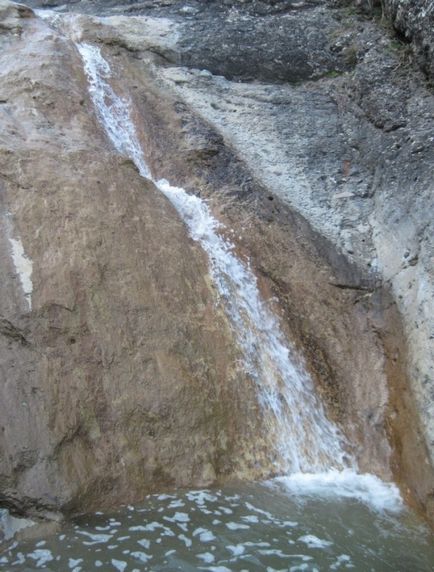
[111, 385]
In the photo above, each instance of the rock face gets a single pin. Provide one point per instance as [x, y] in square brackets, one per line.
[112, 379]
[414, 20]
[316, 150]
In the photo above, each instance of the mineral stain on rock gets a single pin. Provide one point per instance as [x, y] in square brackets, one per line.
[23, 266]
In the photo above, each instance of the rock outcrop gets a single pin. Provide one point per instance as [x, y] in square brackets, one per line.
[316, 150]
[413, 23]
[414, 20]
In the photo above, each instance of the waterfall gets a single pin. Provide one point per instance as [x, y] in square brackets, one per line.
[306, 441]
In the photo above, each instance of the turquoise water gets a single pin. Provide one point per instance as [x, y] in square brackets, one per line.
[241, 528]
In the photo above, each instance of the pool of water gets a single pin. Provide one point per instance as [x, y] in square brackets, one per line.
[255, 527]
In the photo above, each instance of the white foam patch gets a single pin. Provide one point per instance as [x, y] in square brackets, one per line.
[304, 557]
[273, 552]
[206, 557]
[347, 484]
[42, 556]
[144, 543]
[164, 496]
[342, 560]
[152, 527]
[251, 518]
[288, 523]
[178, 517]
[24, 268]
[120, 565]
[95, 538]
[177, 504]
[20, 559]
[314, 542]
[204, 534]
[259, 510]
[73, 562]
[232, 498]
[141, 556]
[201, 497]
[186, 540]
[236, 526]
[236, 550]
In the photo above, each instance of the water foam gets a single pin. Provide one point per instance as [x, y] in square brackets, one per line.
[346, 484]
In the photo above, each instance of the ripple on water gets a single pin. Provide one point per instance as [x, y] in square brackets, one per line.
[263, 528]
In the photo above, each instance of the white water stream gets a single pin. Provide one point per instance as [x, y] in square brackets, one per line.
[309, 447]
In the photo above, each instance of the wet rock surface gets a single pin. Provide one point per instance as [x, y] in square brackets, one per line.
[310, 131]
[114, 356]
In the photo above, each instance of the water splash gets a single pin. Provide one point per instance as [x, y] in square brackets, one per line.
[305, 440]
[346, 484]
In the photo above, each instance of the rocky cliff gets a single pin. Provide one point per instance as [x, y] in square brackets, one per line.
[308, 129]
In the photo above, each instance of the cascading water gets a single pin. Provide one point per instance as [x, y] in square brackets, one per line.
[309, 447]
[332, 519]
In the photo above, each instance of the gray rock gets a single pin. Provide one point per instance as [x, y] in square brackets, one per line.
[414, 20]
[10, 525]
